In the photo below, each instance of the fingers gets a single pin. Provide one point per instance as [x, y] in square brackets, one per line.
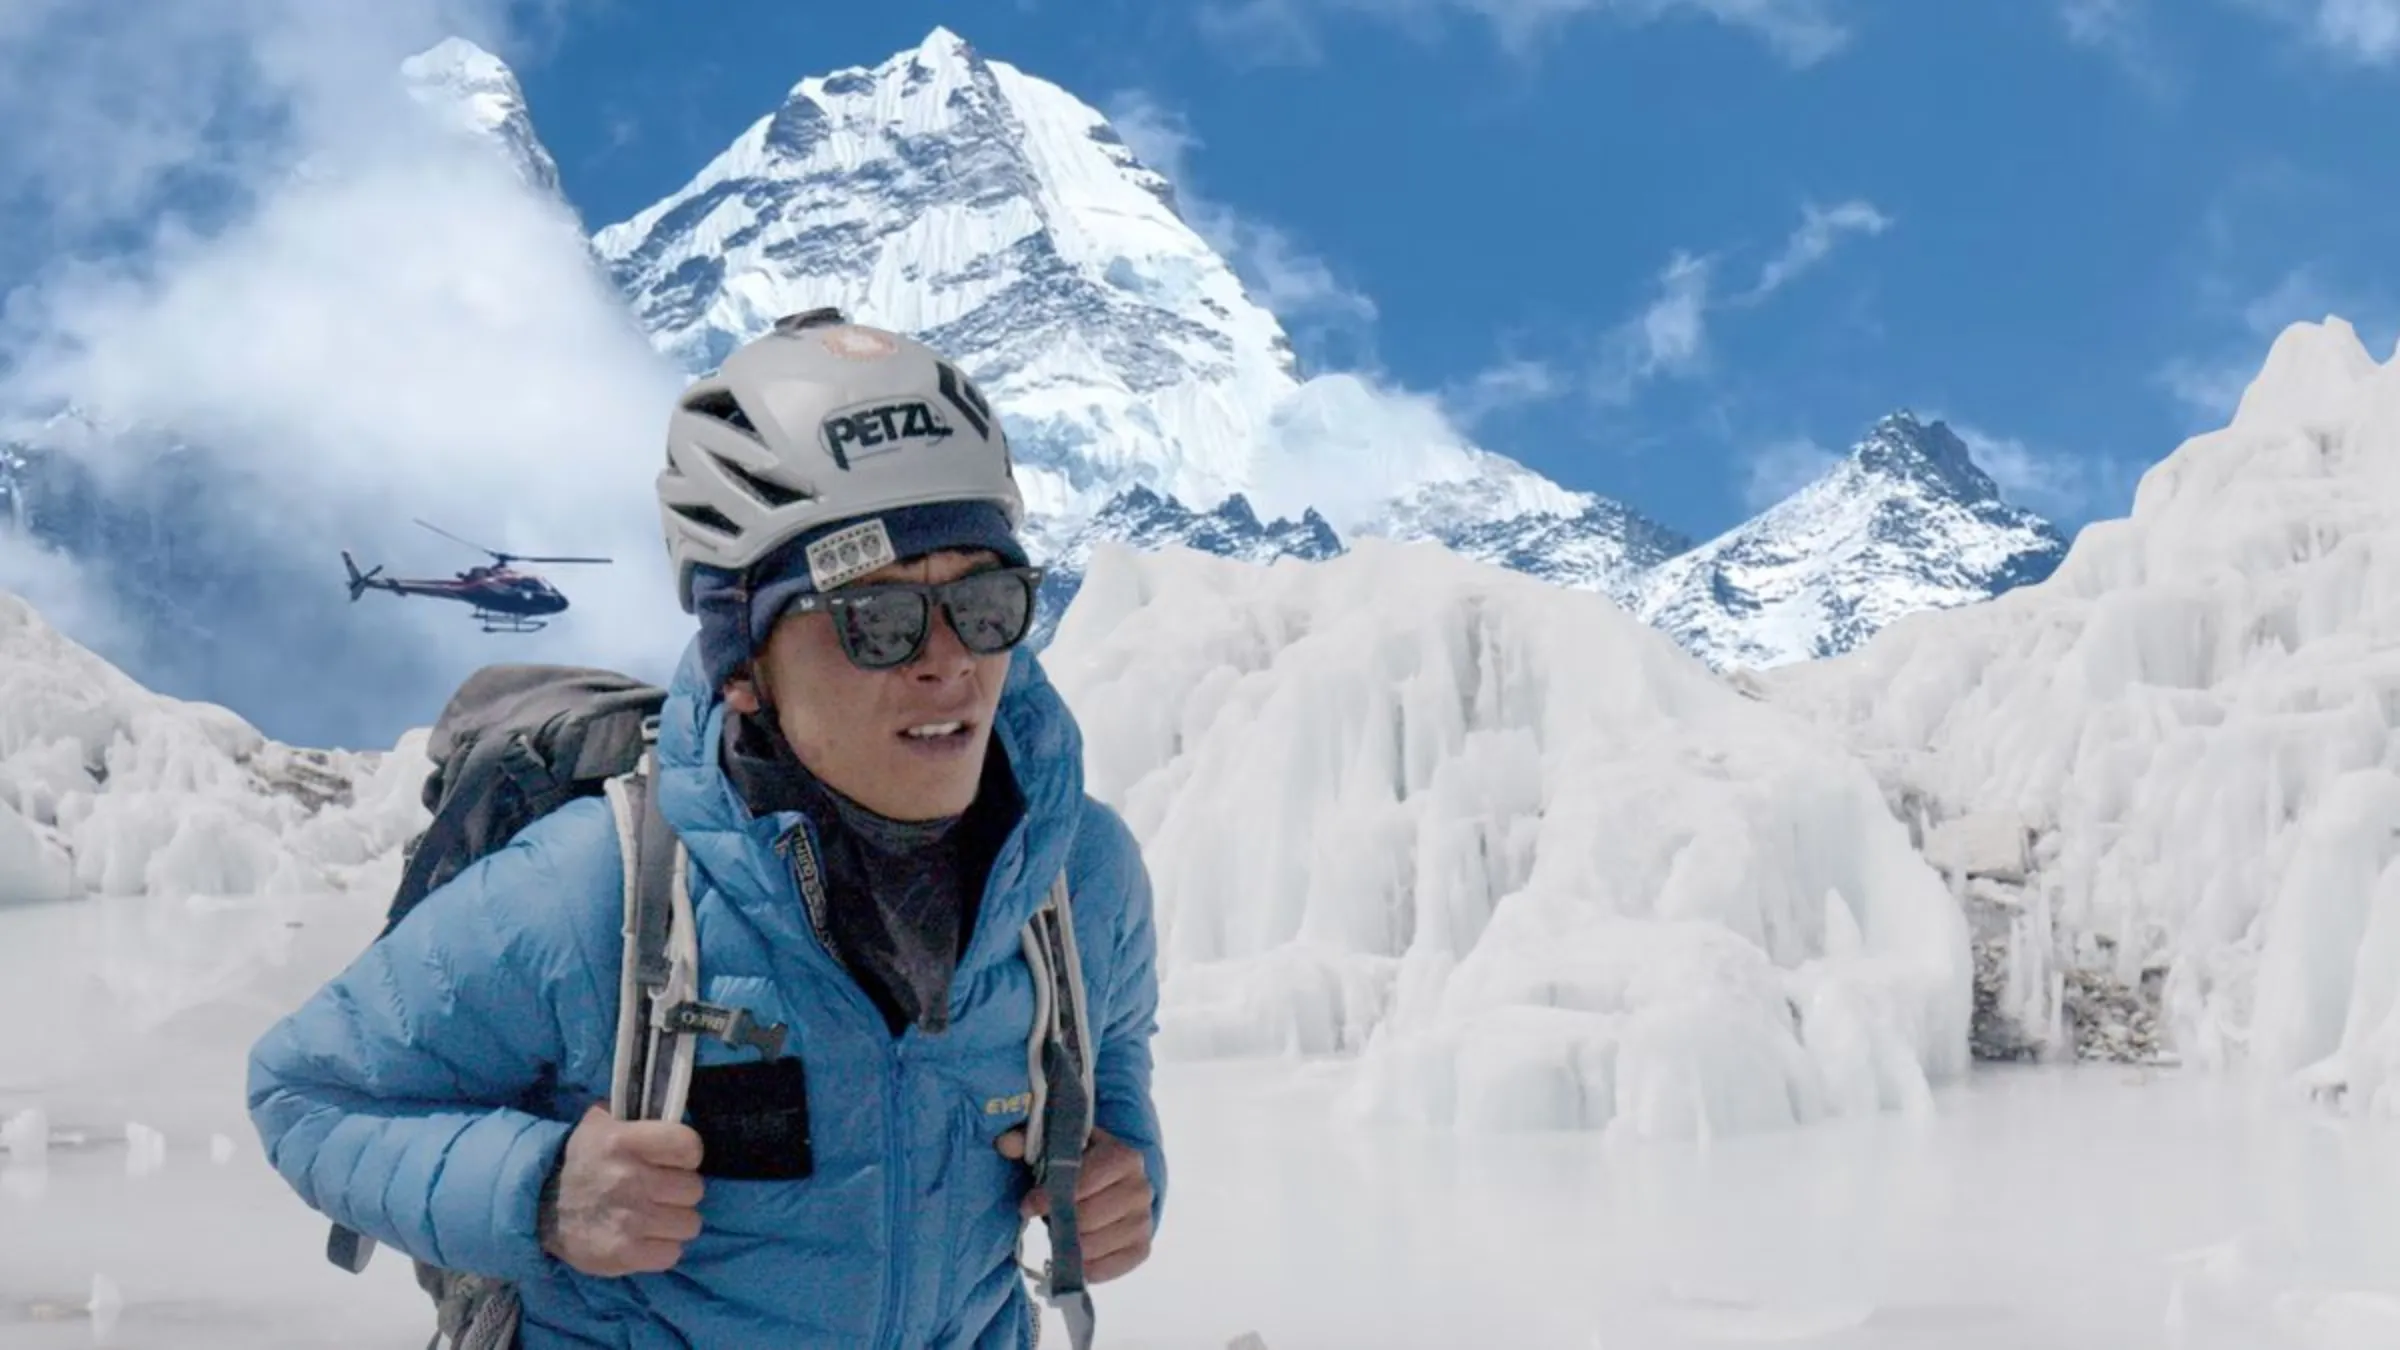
[648, 1257]
[1114, 1252]
[673, 1187]
[1124, 1202]
[1114, 1229]
[1106, 1164]
[660, 1223]
[1012, 1144]
[662, 1143]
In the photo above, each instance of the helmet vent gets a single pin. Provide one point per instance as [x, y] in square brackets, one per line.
[708, 517]
[772, 493]
[824, 317]
[723, 406]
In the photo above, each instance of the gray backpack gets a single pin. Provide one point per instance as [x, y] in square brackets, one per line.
[518, 741]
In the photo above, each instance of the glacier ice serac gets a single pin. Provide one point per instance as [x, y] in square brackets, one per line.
[2167, 774]
[1532, 864]
[1540, 867]
[107, 788]
[1534, 861]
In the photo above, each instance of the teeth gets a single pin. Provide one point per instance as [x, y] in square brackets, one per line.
[933, 729]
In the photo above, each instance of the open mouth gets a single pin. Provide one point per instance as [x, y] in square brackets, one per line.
[937, 733]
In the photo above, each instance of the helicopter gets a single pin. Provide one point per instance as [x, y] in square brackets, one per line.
[505, 600]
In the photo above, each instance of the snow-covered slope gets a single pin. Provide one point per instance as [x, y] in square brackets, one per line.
[2168, 771]
[475, 92]
[1604, 547]
[1142, 519]
[107, 788]
[1906, 522]
[1002, 220]
[1534, 861]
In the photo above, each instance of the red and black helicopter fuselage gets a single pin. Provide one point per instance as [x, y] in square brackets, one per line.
[505, 600]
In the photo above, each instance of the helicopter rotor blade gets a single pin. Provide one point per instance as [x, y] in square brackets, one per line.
[468, 542]
[529, 557]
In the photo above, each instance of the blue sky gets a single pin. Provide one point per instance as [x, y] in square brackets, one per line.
[1678, 250]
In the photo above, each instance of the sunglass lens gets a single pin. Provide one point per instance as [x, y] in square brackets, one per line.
[884, 629]
[990, 610]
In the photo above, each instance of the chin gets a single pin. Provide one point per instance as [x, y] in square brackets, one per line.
[933, 791]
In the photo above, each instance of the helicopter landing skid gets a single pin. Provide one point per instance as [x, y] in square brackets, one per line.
[510, 623]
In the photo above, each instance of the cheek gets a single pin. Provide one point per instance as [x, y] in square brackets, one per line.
[993, 673]
[822, 703]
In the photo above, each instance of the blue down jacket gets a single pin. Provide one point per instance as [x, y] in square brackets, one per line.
[423, 1095]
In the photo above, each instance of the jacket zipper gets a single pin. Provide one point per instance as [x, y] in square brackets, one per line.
[895, 1282]
[808, 878]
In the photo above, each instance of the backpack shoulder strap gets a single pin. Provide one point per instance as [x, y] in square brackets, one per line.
[660, 1016]
[648, 974]
[1060, 1060]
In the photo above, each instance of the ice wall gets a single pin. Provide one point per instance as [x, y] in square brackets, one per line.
[107, 788]
[1537, 864]
[2193, 721]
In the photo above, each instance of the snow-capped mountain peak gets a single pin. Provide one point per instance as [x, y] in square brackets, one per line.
[1900, 446]
[1905, 522]
[950, 195]
[477, 93]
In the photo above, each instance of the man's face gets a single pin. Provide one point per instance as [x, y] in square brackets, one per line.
[907, 743]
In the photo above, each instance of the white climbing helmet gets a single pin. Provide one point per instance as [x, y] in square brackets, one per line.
[821, 420]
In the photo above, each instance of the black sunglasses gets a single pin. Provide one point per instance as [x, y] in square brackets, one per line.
[885, 624]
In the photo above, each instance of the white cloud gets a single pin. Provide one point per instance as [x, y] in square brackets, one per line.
[1780, 468]
[2366, 32]
[1801, 32]
[59, 591]
[1669, 336]
[2121, 30]
[1514, 383]
[2066, 487]
[2361, 32]
[385, 322]
[1819, 230]
[1297, 286]
[1158, 135]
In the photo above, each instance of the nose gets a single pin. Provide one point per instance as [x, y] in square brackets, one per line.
[944, 656]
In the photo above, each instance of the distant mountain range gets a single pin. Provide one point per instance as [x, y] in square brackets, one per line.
[1905, 522]
[1149, 399]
